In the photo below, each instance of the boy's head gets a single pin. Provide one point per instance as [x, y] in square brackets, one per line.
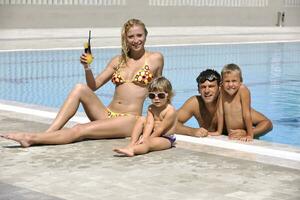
[231, 78]
[160, 89]
[229, 68]
[208, 85]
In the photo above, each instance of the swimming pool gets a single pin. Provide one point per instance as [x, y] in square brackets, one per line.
[270, 70]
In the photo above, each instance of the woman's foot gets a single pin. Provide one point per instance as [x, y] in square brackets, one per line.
[23, 138]
[125, 151]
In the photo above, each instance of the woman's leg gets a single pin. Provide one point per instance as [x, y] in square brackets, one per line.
[106, 128]
[81, 93]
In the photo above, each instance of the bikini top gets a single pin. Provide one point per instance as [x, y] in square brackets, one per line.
[142, 77]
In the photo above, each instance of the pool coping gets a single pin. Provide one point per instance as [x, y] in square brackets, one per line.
[286, 153]
[182, 35]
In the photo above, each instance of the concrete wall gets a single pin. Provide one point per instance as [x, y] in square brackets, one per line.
[113, 13]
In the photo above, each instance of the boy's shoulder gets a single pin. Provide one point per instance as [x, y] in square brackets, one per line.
[243, 89]
[244, 92]
[243, 86]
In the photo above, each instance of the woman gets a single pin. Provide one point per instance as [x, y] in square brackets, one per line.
[130, 72]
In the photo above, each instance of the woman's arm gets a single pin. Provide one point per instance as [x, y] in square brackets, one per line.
[103, 77]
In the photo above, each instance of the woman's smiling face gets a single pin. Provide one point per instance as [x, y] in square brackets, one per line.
[136, 38]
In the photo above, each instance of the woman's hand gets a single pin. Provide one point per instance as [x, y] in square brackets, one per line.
[86, 59]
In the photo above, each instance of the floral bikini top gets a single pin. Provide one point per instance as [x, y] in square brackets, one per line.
[142, 77]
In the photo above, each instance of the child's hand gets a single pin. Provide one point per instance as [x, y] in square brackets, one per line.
[247, 138]
[236, 134]
[141, 140]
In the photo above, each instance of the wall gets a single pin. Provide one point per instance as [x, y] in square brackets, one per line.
[113, 13]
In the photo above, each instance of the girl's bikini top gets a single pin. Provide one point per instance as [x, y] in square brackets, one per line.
[142, 77]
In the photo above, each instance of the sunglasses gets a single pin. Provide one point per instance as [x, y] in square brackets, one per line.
[209, 78]
[160, 95]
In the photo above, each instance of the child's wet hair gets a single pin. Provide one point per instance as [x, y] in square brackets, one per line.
[230, 68]
[161, 84]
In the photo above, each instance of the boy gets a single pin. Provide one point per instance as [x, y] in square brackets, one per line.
[234, 105]
[155, 132]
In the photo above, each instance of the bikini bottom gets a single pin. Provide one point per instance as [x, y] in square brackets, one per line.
[171, 138]
[112, 114]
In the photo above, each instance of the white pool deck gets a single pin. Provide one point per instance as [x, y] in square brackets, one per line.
[12, 39]
[199, 168]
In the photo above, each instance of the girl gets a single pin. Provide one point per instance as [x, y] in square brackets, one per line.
[155, 132]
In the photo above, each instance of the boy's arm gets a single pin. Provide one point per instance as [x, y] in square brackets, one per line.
[167, 123]
[246, 109]
[261, 123]
[261, 126]
[184, 114]
[220, 117]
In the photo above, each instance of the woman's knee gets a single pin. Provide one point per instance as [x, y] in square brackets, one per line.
[80, 89]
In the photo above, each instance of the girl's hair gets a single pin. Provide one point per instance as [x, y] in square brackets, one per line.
[161, 84]
[129, 24]
[231, 67]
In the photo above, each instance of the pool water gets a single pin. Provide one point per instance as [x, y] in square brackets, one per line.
[270, 70]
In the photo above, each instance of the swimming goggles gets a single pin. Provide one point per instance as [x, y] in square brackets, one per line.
[209, 78]
[160, 95]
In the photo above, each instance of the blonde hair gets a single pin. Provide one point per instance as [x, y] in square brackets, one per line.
[161, 84]
[129, 24]
[230, 68]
